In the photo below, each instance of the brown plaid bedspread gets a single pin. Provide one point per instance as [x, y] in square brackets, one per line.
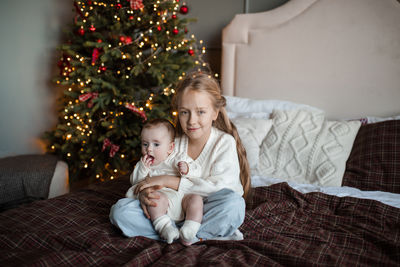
[282, 228]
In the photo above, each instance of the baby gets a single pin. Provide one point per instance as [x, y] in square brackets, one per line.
[159, 158]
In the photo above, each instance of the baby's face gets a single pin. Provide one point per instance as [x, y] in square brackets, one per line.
[156, 143]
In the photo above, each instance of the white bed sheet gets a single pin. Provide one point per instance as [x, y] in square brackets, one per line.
[387, 198]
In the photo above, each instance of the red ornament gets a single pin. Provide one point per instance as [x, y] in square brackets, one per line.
[186, 30]
[184, 9]
[92, 28]
[95, 55]
[136, 4]
[175, 31]
[131, 17]
[128, 40]
[81, 31]
[89, 2]
[103, 68]
[99, 41]
[191, 52]
[174, 16]
[118, 6]
[122, 38]
[159, 28]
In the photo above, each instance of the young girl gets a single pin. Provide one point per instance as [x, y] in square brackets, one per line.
[206, 135]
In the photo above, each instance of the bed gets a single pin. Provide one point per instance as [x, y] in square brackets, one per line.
[312, 81]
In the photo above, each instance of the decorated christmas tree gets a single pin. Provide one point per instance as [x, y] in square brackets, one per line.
[118, 68]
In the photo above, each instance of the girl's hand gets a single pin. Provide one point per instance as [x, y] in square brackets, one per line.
[155, 182]
[145, 198]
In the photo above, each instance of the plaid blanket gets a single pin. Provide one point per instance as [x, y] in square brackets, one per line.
[282, 227]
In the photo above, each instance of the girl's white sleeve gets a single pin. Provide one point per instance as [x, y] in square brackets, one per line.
[139, 173]
[194, 170]
[224, 171]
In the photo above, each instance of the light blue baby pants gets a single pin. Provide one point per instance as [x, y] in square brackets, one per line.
[223, 213]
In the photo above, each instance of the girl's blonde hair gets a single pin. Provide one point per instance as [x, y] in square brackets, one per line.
[201, 82]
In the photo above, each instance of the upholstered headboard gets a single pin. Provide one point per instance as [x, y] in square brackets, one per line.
[342, 56]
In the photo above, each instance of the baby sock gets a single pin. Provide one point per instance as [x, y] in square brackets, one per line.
[164, 227]
[188, 231]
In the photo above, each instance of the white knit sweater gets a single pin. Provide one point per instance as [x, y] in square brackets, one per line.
[219, 165]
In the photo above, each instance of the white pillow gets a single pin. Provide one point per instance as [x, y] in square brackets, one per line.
[252, 132]
[304, 147]
[371, 119]
[260, 109]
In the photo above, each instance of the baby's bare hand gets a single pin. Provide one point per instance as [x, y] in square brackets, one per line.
[147, 160]
[183, 167]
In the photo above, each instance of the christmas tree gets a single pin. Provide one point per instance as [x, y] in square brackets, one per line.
[118, 68]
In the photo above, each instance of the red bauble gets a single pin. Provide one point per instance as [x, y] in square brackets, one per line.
[175, 31]
[92, 28]
[122, 38]
[174, 16]
[81, 31]
[131, 17]
[128, 40]
[191, 52]
[118, 6]
[159, 28]
[103, 68]
[186, 30]
[184, 9]
[99, 40]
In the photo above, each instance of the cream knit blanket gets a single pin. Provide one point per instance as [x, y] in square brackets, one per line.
[303, 146]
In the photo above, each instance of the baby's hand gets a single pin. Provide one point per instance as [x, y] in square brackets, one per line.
[183, 167]
[147, 160]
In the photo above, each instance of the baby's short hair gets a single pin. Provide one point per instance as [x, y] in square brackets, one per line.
[164, 122]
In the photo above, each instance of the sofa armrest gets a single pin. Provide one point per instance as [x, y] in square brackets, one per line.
[59, 182]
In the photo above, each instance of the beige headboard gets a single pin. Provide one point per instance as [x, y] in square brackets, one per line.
[342, 56]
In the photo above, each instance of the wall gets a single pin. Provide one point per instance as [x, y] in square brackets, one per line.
[30, 32]
[214, 15]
